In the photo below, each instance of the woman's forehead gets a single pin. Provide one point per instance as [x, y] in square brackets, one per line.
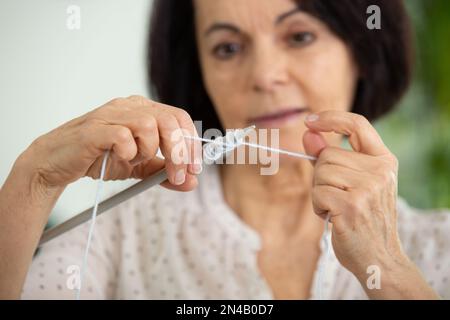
[246, 13]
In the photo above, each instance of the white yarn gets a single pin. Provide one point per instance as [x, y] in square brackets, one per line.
[92, 225]
[224, 147]
[323, 263]
[219, 148]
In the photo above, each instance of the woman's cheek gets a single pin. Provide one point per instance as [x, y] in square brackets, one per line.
[229, 109]
[228, 100]
[327, 75]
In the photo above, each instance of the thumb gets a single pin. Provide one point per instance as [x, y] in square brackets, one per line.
[314, 143]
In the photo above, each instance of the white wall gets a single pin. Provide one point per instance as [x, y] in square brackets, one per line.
[50, 74]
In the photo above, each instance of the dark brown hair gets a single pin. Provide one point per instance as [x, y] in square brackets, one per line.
[384, 56]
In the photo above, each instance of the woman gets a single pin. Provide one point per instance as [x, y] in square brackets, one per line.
[310, 68]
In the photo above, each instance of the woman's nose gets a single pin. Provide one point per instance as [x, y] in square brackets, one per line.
[268, 68]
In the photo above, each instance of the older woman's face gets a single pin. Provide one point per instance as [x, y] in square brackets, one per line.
[269, 64]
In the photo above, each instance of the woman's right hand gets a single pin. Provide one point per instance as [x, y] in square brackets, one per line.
[133, 129]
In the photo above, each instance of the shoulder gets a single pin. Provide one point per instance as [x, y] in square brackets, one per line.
[425, 236]
[418, 227]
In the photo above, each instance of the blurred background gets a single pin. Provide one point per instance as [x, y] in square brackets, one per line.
[418, 131]
[50, 74]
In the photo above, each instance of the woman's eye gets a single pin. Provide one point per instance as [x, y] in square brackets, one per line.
[301, 38]
[226, 50]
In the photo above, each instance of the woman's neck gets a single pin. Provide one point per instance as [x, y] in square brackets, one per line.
[277, 206]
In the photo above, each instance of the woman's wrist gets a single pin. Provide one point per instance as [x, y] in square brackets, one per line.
[396, 278]
[25, 204]
[25, 174]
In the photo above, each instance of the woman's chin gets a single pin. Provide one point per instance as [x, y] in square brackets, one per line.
[291, 138]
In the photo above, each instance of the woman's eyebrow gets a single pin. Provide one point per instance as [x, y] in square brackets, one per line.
[286, 15]
[230, 27]
[222, 26]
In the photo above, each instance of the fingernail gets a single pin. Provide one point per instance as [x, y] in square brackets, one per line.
[197, 168]
[312, 117]
[180, 177]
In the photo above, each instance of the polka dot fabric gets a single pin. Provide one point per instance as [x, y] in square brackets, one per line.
[170, 245]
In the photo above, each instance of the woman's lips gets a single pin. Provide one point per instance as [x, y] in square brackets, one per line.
[277, 119]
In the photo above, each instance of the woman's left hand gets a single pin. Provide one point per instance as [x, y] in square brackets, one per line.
[358, 190]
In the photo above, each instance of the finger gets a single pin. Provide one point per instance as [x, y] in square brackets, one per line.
[328, 200]
[147, 168]
[183, 148]
[151, 167]
[119, 139]
[144, 129]
[189, 184]
[339, 177]
[349, 159]
[143, 125]
[313, 143]
[194, 146]
[130, 112]
[175, 151]
[146, 134]
[362, 135]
